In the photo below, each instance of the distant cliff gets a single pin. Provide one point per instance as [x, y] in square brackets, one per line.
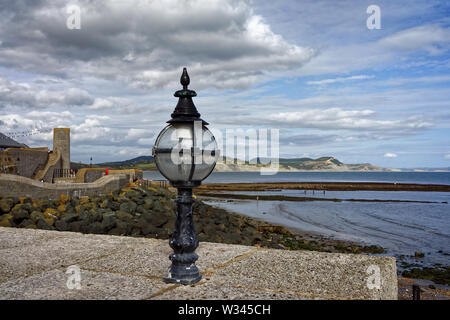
[299, 164]
[229, 165]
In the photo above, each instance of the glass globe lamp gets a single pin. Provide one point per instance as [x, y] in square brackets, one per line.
[185, 152]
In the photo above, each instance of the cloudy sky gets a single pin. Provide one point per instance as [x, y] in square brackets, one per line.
[311, 69]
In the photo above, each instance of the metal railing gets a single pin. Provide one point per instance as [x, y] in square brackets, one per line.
[63, 173]
[160, 183]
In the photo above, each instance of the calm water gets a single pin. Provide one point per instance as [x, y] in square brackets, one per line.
[401, 228]
[400, 177]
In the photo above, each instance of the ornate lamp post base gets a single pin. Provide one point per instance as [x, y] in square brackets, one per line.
[185, 274]
[184, 242]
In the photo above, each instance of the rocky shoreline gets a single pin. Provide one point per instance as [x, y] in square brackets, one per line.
[151, 211]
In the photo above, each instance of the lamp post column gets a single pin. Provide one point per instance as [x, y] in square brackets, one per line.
[184, 242]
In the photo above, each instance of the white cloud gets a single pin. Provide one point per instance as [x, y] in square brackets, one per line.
[223, 42]
[139, 134]
[390, 155]
[432, 38]
[337, 118]
[399, 49]
[23, 94]
[340, 79]
[100, 103]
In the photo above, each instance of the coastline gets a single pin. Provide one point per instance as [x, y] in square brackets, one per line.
[434, 282]
[409, 266]
[150, 213]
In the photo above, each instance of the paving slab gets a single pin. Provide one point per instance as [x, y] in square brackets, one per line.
[52, 285]
[318, 274]
[207, 290]
[153, 258]
[46, 250]
[33, 265]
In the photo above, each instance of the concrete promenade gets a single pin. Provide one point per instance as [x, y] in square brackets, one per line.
[33, 265]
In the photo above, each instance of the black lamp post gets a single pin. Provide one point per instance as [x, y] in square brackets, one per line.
[185, 153]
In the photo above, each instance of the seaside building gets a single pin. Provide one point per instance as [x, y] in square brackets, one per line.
[39, 163]
[40, 172]
[7, 142]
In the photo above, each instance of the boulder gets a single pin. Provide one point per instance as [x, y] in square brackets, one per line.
[69, 217]
[122, 228]
[128, 206]
[49, 220]
[132, 193]
[25, 223]
[148, 204]
[105, 203]
[42, 204]
[122, 198]
[53, 213]
[156, 219]
[62, 208]
[19, 214]
[63, 199]
[42, 224]
[114, 205]
[124, 216]
[6, 220]
[36, 215]
[95, 228]
[140, 209]
[169, 226]
[5, 205]
[76, 226]
[150, 230]
[108, 222]
[61, 226]
[95, 215]
[84, 201]
[79, 209]
[158, 206]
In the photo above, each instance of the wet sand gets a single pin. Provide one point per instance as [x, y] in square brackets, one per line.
[289, 198]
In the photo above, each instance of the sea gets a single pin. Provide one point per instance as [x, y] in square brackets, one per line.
[402, 228]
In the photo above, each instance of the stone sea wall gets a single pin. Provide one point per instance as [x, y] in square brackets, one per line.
[93, 174]
[17, 186]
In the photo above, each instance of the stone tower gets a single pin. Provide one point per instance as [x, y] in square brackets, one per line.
[61, 142]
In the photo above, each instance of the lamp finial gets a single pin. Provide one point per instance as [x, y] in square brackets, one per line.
[185, 79]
